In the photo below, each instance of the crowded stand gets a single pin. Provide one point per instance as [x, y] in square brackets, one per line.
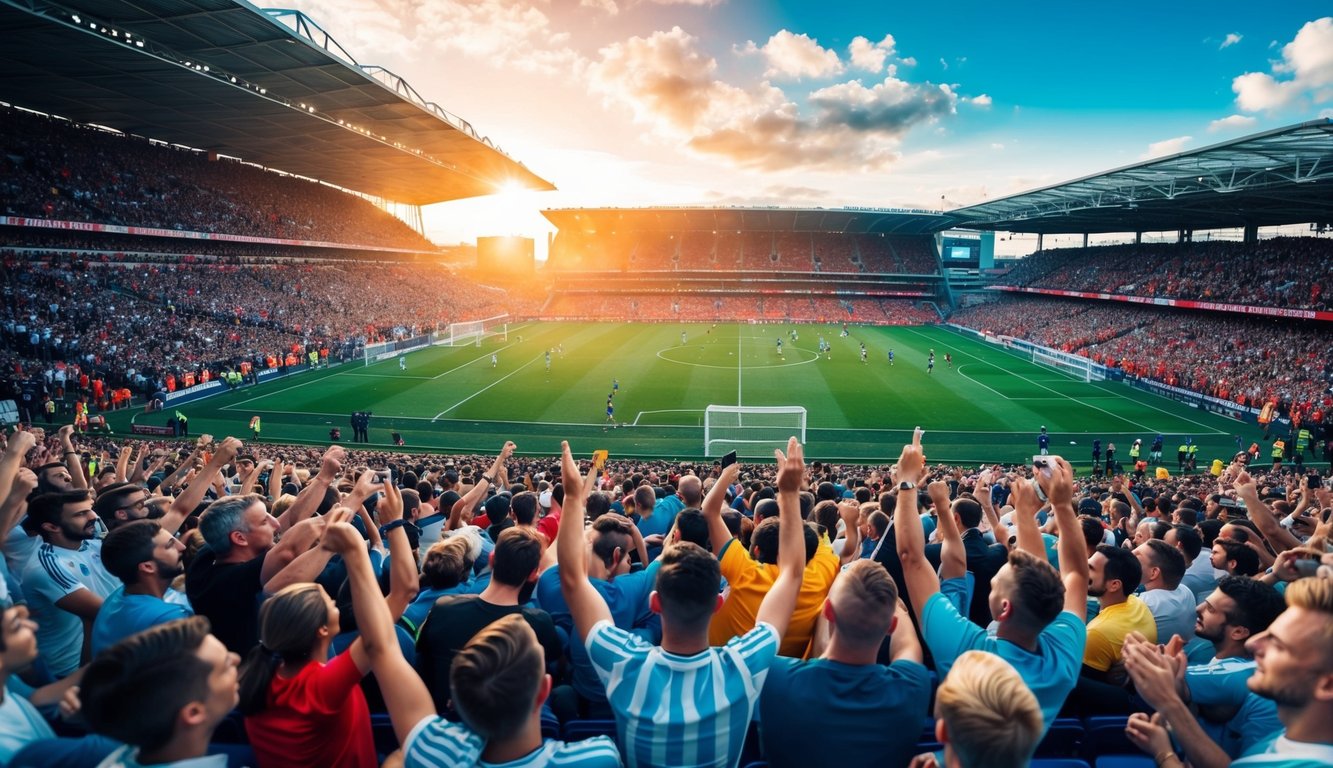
[1285, 272]
[760, 252]
[294, 606]
[650, 306]
[141, 327]
[1249, 361]
[54, 169]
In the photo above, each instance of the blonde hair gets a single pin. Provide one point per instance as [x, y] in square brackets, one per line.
[991, 716]
[1315, 595]
[864, 597]
[284, 503]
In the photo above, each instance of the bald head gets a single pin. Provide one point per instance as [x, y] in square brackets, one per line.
[691, 490]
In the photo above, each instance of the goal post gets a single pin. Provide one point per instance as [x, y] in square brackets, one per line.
[751, 431]
[1080, 368]
[374, 353]
[471, 332]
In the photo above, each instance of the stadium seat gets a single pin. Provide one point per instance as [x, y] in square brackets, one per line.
[578, 730]
[1106, 736]
[1062, 739]
[381, 728]
[232, 730]
[1058, 762]
[550, 725]
[1125, 761]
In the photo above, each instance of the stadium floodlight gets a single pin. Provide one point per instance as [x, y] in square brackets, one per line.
[751, 431]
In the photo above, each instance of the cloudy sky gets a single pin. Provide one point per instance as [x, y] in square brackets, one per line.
[738, 102]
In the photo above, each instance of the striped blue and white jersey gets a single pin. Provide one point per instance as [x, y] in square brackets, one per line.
[438, 743]
[682, 711]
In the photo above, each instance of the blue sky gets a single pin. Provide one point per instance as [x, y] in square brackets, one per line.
[678, 102]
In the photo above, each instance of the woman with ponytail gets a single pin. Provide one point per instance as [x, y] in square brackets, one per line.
[301, 707]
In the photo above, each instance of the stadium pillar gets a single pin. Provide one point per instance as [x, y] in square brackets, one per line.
[1039, 236]
[1085, 239]
[1251, 233]
[1138, 238]
[416, 220]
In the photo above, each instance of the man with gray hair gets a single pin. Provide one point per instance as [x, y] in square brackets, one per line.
[244, 557]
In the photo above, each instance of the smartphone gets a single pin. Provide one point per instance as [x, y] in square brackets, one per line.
[1313, 480]
[1228, 502]
[729, 459]
[599, 458]
[1307, 567]
[1041, 465]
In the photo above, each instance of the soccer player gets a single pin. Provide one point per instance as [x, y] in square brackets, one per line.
[779, 346]
[548, 361]
[948, 358]
[402, 362]
[615, 386]
[1044, 446]
[494, 360]
[890, 356]
[930, 365]
[682, 338]
[610, 412]
[863, 353]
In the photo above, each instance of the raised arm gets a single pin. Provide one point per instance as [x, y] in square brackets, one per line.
[185, 466]
[297, 560]
[311, 496]
[1073, 549]
[904, 645]
[275, 473]
[953, 556]
[983, 494]
[850, 512]
[718, 533]
[406, 696]
[778, 604]
[1026, 504]
[1262, 515]
[477, 492]
[70, 455]
[922, 582]
[190, 498]
[404, 579]
[585, 603]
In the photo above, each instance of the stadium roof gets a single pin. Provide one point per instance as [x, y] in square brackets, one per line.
[270, 87]
[888, 221]
[1283, 176]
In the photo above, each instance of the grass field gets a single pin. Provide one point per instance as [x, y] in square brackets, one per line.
[987, 407]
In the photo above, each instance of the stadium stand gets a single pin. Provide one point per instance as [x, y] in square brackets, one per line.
[1287, 272]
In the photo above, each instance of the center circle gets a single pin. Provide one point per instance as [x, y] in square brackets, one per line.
[802, 357]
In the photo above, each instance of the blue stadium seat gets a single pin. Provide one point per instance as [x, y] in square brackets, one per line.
[1058, 762]
[381, 728]
[1125, 761]
[232, 729]
[1062, 739]
[578, 730]
[550, 725]
[1106, 736]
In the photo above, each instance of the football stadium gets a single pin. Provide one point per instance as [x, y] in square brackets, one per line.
[1034, 477]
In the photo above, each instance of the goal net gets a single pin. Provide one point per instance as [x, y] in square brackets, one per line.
[374, 353]
[471, 332]
[751, 431]
[1080, 368]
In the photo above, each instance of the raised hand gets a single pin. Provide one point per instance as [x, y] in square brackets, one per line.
[791, 467]
[390, 506]
[341, 538]
[332, 462]
[912, 462]
[227, 450]
[570, 477]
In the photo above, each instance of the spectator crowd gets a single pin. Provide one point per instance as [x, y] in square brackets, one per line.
[283, 606]
[1289, 272]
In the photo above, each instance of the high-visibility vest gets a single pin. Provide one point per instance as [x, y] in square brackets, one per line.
[1278, 448]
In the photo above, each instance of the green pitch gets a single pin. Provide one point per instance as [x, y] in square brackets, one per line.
[987, 407]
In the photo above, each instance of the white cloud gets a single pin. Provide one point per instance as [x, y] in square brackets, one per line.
[1231, 39]
[997, 145]
[870, 56]
[790, 55]
[502, 33]
[1166, 147]
[983, 101]
[1231, 122]
[671, 86]
[1306, 70]
[609, 6]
